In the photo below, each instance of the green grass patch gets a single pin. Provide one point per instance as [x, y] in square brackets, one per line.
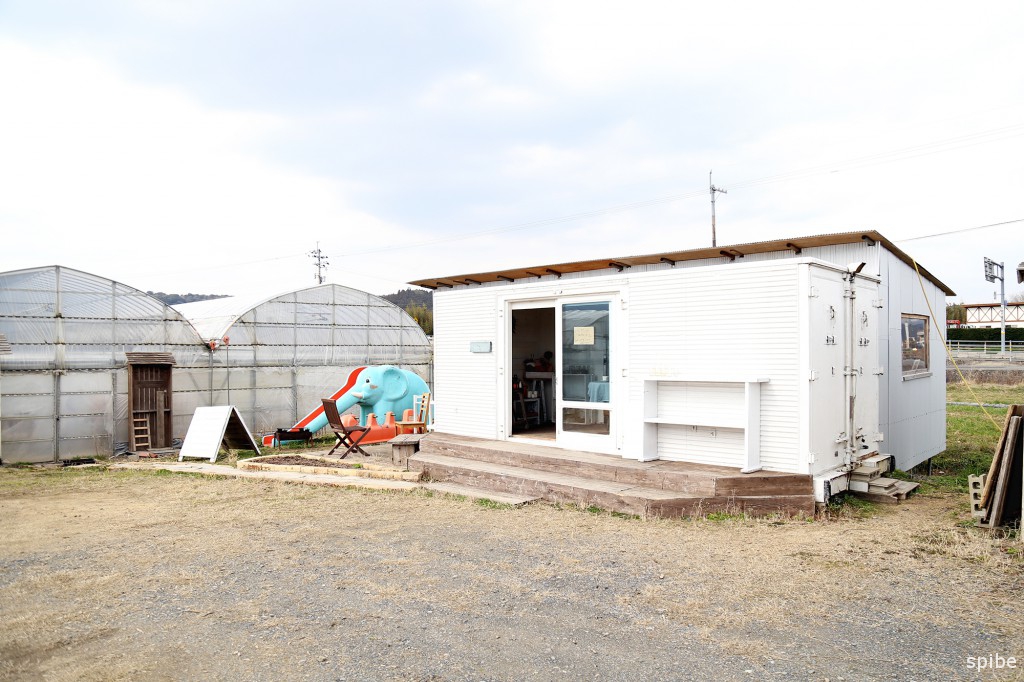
[999, 394]
[849, 506]
[491, 504]
[971, 439]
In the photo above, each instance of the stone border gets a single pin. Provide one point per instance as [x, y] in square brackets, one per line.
[364, 470]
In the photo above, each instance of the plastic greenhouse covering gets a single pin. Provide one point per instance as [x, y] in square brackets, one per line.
[64, 389]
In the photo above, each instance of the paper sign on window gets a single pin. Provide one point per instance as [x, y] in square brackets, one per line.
[583, 336]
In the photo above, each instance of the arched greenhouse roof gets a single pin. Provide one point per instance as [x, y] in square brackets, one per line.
[57, 317]
[327, 324]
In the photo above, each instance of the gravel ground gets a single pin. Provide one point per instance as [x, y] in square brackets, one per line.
[124, 575]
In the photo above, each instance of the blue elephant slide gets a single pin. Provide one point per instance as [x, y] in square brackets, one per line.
[378, 390]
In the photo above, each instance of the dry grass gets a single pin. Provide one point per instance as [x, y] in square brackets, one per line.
[170, 538]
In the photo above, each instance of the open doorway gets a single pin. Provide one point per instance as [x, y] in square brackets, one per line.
[533, 366]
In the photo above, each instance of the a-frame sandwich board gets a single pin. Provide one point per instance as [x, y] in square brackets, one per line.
[212, 426]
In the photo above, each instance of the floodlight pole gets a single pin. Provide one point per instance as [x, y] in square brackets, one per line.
[713, 190]
[991, 276]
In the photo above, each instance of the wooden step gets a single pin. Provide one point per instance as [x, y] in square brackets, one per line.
[574, 463]
[474, 493]
[679, 477]
[616, 496]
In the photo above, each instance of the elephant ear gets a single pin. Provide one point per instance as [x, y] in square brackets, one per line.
[394, 384]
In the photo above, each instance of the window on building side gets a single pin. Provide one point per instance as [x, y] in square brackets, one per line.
[915, 344]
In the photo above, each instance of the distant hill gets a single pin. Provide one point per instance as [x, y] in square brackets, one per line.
[175, 299]
[403, 298]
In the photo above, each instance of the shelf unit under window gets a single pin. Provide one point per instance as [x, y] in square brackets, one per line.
[724, 416]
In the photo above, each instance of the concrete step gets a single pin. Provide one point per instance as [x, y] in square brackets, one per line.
[616, 496]
[893, 493]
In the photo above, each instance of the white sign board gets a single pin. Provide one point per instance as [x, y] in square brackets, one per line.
[208, 429]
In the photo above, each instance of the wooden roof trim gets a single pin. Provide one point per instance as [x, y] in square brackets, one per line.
[672, 257]
[149, 358]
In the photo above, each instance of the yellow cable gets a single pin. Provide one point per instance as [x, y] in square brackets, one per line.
[949, 353]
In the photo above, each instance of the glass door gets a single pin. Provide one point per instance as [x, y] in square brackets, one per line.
[584, 415]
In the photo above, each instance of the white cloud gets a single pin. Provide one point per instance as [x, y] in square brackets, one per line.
[104, 174]
[475, 90]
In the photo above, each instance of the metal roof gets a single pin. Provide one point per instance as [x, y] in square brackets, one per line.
[731, 253]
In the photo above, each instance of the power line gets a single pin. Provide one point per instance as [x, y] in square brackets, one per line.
[892, 156]
[963, 229]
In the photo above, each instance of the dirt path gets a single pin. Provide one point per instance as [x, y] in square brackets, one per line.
[124, 575]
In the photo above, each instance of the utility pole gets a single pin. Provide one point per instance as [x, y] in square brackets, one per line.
[321, 263]
[714, 240]
[991, 276]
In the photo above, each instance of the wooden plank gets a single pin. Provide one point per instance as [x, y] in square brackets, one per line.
[995, 510]
[990, 480]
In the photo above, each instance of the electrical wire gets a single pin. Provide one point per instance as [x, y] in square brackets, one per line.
[964, 229]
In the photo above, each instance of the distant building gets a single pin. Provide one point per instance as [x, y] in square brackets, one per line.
[989, 315]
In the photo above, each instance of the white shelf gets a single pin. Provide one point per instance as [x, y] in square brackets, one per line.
[733, 409]
[712, 421]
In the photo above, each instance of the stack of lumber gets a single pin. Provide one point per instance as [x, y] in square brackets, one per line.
[996, 498]
[868, 481]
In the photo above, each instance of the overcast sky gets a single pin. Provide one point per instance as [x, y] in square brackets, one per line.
[208, 146]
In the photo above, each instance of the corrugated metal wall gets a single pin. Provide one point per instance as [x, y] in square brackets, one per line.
[913, 412]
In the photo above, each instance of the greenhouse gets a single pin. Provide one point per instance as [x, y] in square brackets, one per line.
[275, 358]
[97, 367]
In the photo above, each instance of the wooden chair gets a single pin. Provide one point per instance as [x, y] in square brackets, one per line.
[349, 436]
[419, 423]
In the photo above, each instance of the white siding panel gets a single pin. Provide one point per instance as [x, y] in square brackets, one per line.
[728, 321]
[721, 447]
[465, 384]
[702, 403]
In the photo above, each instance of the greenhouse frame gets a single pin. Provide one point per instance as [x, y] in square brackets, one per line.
[94, 362]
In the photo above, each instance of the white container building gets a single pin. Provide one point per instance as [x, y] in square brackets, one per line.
[800, 356]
